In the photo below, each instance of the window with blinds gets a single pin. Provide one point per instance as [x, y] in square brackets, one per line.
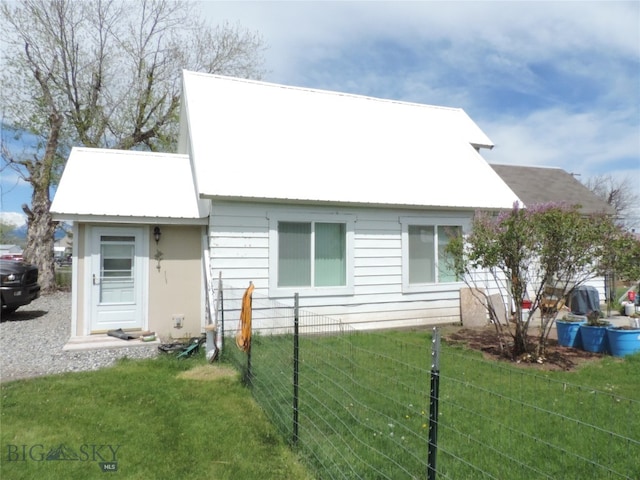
[312, 254]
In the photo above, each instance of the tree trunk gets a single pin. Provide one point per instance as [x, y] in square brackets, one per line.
[520, 345]
[40, 224]
[40, 230]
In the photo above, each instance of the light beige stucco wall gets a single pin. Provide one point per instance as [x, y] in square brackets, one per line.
[176, 288]
[80, 287]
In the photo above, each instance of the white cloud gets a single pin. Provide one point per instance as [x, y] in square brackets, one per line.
[551, 83]
[557, 137]
[520, 31]
[587, 144]
[13, 218]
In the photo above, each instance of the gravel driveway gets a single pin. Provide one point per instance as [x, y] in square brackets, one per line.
[31, 341]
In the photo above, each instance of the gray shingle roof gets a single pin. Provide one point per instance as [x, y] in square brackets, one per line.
[535, 185]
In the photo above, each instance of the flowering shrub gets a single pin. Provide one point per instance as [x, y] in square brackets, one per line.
[524, 254]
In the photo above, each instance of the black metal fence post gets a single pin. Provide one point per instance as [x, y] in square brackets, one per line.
[222, 317]
[296, 365]
[249, 375]
[433, 405]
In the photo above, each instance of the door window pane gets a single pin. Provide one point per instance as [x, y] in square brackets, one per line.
[117, 261]
[117, 256]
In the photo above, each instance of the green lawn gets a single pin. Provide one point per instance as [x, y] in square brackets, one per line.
[363, 413]
[363, 410]
[143, 418]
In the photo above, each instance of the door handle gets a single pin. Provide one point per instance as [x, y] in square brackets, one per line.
[94, 280]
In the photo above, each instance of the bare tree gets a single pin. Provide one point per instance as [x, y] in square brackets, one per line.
[618, 193]
[105, 73]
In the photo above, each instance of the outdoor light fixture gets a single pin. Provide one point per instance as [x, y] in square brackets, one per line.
[156, 235]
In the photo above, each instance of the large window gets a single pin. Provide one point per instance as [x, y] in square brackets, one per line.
[425, 260]
[311, 254]
[314, 256]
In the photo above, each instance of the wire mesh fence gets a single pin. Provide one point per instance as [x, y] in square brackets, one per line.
[358, 404]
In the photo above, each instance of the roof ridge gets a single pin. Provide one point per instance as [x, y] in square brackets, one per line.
[119, 151]
[526, 166]
[320, 91]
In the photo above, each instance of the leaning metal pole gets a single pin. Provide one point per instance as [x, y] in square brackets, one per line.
[249, 375]
[433, 405]
[296, 367]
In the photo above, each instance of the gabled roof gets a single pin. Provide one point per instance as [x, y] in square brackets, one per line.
[535, 185]
[117, 185]
[260, 141]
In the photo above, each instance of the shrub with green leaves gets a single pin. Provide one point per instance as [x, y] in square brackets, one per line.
[541, 254]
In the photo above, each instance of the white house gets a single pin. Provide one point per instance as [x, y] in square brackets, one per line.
[347, 200]
[10, 251]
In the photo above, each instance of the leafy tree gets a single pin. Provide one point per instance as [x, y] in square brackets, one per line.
[624, 256]
[539, 254]
[101, 74]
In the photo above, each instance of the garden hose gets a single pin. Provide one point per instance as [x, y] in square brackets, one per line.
[243, 337]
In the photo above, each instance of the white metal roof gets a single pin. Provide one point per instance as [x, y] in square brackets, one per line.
[127, 185]
[253, 139]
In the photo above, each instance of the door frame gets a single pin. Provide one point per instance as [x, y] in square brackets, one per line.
[93, 232]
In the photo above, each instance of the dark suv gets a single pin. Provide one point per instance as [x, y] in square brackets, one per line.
[18, 284]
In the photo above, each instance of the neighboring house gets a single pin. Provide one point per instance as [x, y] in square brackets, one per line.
[62, 247]
[537, 185]
[11, 252]
[344, 199]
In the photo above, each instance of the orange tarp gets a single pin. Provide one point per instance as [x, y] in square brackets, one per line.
[243, 337]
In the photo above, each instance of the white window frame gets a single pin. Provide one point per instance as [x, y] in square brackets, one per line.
[434, 222]
[347, 220]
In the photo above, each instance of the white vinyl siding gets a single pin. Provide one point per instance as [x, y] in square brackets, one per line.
[244, 243]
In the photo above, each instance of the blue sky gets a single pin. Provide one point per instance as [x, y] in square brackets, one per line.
[551, 83]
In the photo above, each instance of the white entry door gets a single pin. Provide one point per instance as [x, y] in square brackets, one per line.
[118, 278]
